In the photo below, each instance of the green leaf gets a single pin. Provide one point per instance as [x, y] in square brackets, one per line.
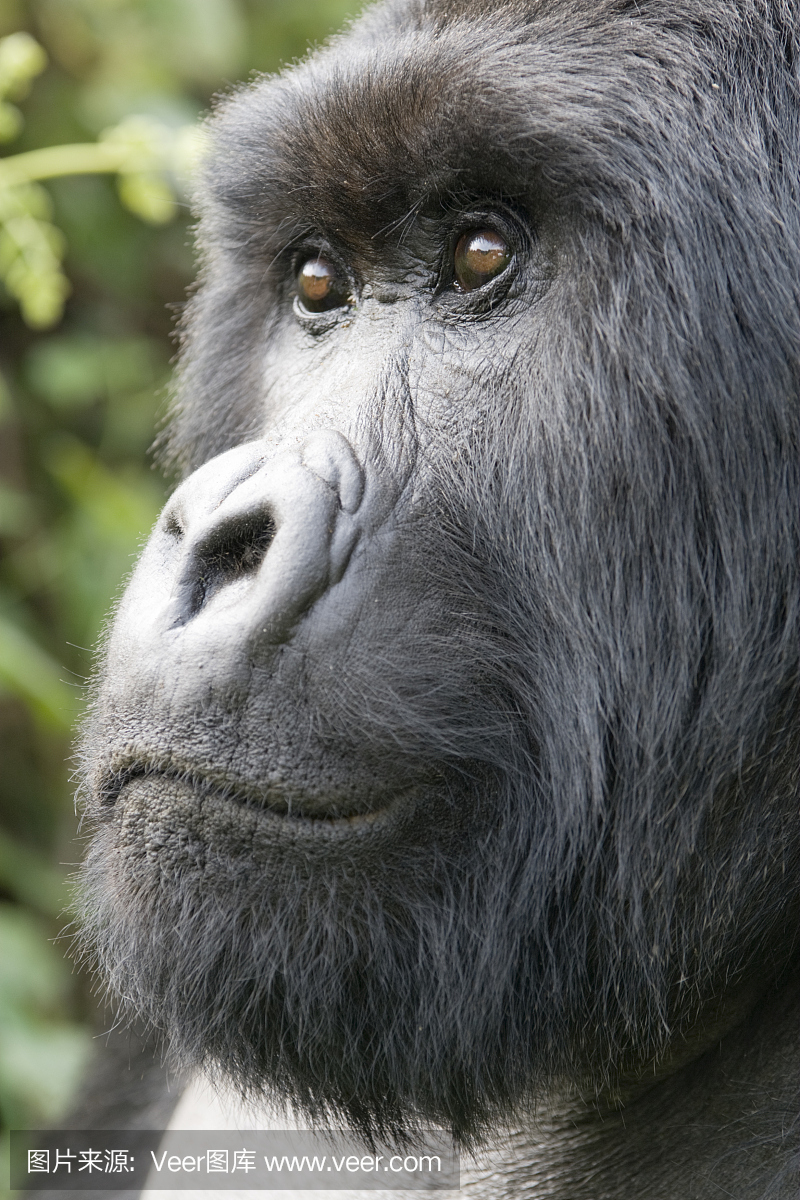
[41, 1064]
[30, 878]
[72, 371]
[32, 975]
[6, 403]
[41, 1055]
[148, 196]
[10, 121]
[95, 546]
[29, 672]
[21, 60]
[30, 253]
[16, 512]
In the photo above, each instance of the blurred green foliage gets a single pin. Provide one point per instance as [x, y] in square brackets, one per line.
[99, 101]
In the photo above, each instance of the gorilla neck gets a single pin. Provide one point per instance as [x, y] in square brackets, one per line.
[697, 1133]
[692, 1134]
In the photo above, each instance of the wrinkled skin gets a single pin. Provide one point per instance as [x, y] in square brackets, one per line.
[445, 747]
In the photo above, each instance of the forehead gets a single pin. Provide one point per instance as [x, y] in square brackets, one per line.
[575, 102]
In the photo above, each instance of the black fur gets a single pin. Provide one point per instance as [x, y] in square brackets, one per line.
[574, 644]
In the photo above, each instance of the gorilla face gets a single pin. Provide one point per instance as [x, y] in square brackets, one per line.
[445, 745]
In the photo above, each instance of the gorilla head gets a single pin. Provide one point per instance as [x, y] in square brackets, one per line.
[446, 742]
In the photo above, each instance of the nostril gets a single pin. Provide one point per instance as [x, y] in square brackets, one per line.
[231, 552]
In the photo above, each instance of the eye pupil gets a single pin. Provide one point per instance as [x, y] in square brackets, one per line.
[319, 286]
[480, 255]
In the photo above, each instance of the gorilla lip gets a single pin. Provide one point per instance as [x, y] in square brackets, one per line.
[268, 806]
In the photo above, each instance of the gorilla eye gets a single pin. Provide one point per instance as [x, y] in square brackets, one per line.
[320, 286]
[480, 255]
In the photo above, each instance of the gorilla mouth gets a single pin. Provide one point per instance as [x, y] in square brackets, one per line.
[272, 804]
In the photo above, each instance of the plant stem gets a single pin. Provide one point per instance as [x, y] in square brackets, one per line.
[79, 159]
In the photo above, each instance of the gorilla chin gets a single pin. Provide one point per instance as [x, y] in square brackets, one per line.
[445, 749]
[319, 959]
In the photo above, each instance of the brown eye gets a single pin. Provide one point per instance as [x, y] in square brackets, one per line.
[319, 285]
[480, 255]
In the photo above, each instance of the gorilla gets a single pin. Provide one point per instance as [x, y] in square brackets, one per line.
[443, 764]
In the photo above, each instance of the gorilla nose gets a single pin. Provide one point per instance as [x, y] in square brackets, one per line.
[264, 534]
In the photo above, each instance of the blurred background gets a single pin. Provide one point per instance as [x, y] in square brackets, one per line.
[99, 103]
